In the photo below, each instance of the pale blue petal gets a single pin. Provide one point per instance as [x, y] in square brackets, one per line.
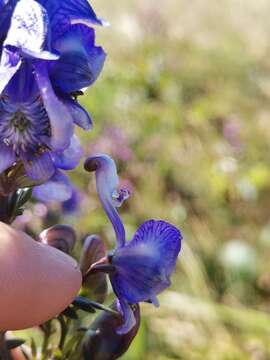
[38, 167]
[69, 158]
[79, 115]
[60, 119]
[58, 188]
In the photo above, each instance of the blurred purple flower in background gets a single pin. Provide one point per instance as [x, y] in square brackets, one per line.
[141, 268]
[106, 144]
[48, 55]
[232, 133]
[73, 204]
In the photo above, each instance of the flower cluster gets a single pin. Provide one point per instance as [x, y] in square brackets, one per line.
[48, 55]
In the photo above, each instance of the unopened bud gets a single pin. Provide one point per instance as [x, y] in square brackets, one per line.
[102, 342]
[61, 237]
[95, 284]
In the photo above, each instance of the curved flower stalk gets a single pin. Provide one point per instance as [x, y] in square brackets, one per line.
[141, 268]
[48, 55]
[107, 187]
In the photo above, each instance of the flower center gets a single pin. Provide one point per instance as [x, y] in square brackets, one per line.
[24, 126]
[20, 122]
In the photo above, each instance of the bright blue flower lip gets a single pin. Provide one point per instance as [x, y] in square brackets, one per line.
[107, 188]
[144, 265]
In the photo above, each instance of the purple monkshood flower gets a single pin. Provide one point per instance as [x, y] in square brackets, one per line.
[48, 55]
[141, 268]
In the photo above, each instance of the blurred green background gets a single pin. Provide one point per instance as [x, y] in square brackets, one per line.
[183, 106]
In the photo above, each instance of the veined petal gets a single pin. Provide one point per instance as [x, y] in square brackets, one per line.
[145, 264]
[70, 157]
[60, 119]
[22, 88]
[107, 184]
[7, 157]
[38, 167]
[80, 63]
[58, 188]
[162, 237]
[29, 29]
[64, 12]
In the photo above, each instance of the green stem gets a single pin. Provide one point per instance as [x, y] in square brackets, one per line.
[47, 334]
[64, 331]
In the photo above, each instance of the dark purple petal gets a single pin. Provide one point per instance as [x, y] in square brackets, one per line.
[22, 88]
[107, 183]
[79, 115]
[103, 342]
[70, 157]
[60, 119]
[58, 188]
[62, 237]
[80, 63]
[145, 264]
[95, 284]
[64, 12]
[6, 9]
[7, 157]
[29, 29]
[38, 167]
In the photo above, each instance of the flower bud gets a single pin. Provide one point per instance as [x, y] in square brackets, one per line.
[96, 284]
[102, 342]
[61, 237]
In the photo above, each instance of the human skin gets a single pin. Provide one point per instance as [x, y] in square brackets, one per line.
[37, 281]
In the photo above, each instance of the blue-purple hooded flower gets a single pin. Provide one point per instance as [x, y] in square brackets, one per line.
[48, 55]
[141, 268]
